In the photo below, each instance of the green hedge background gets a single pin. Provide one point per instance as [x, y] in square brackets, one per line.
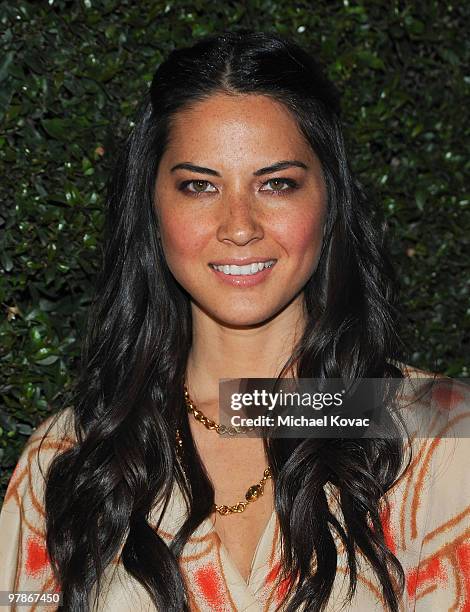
[71, 74]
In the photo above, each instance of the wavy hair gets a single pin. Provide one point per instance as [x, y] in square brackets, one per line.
[128, 399]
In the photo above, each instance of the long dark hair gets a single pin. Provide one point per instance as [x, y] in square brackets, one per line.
[129, 396]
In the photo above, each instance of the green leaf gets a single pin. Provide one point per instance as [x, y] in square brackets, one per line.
[420, 197]
[370, 59]
[47, 360]
[5, 65]
[57, 128]
[6, 261]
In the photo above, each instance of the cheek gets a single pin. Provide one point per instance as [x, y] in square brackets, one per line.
[302, 234]
[183, 238]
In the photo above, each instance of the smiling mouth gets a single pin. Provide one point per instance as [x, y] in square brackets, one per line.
[248, 270]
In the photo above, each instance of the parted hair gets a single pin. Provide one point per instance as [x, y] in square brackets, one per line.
[128, 399]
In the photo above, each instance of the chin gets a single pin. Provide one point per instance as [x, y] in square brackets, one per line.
[235, 316]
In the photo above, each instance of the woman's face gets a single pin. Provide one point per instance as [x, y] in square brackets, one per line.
[239, 183]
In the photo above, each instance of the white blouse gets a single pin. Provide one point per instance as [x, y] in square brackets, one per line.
[428, 529]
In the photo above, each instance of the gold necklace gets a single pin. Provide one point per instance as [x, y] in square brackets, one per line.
[255, 491]
[209, 423]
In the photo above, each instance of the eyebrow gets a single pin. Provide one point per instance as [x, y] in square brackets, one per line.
[193, 168]
[280, 165]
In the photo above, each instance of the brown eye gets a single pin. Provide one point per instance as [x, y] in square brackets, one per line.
[280, 184]
[199, 185]
[196, 187]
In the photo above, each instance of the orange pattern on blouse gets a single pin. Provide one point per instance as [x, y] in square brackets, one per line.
[427, 527]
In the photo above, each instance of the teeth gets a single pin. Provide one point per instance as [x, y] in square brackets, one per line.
[244, 270]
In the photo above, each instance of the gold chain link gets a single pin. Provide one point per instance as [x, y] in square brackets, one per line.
[209, 423]
[255, 491]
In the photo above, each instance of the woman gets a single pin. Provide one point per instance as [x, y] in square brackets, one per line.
[236, 159]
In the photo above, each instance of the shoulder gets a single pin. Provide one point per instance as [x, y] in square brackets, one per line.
[436, 411]
[436, 485]
[441, 403]
[51, 437]
[413, 373]
[58, 426]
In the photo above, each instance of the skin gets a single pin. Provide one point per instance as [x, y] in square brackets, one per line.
[239, 332]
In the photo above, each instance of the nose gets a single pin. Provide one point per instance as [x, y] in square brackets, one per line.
[239, 221]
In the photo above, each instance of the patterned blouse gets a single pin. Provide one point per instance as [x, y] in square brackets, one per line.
[427, 528]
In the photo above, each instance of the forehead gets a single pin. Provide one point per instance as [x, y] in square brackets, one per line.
[237, 125]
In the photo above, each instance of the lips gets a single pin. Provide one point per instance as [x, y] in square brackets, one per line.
[243, 277]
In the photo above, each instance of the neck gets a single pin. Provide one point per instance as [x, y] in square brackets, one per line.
[258, 351]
